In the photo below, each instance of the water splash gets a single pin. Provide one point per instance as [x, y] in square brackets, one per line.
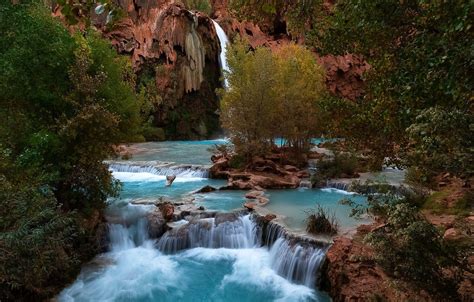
[296, 262]
[162, 169]
[211, 233]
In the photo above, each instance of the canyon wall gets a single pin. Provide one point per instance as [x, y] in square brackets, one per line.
[178, 51]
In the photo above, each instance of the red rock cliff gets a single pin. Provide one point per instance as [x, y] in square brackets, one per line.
[180, 50]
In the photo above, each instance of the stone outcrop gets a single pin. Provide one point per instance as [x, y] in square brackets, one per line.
[269, 172]
[344, 75]
[177, 50]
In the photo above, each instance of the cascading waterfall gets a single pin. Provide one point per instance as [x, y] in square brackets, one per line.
[163, 169]
[210, 233]
[124, 238]
[296, 262]
[223, 41]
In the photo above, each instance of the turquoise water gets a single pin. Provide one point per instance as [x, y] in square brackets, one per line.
[150, 186]
[294, 204]
[182, 152]
[135, 270]
[142, 273]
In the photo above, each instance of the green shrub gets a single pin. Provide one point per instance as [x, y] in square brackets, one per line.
[410, 248]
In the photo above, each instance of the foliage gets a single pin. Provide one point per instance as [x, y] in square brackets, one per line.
[65, 101]
[410, 248]
[35, 240]
[199, 5]
[421, 58]
[321, 221]
[342, 165]
[271, 95]
[442, 139]
[223, 150]
[297, 17]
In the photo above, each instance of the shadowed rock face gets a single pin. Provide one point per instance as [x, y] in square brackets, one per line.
[179, 50]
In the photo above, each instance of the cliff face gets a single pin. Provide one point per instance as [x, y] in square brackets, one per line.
[344, 74]
[178, 50]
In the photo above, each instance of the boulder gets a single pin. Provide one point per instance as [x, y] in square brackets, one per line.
[254, 194]
[170, 179]
[167, 210]
[452, 234]
[206, 189]
[250, 205]
[156, 224]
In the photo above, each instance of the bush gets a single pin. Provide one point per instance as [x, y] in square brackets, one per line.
[410, 248]
[321, 221]
[341, 166]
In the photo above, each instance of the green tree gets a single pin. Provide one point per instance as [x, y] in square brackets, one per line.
[421, 57]
[249, 106]
[299, 87]
[271, 95]
[65, 100]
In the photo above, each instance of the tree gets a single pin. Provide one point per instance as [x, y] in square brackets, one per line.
[271, 95]
[421, 57]
[249, 106]
[300, 84]
[65, 100]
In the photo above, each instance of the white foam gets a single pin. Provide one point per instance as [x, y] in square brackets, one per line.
[149, 177]
[334, 190]
[252, 267]
[136, 273]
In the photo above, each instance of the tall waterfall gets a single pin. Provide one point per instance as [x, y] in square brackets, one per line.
[223, 41]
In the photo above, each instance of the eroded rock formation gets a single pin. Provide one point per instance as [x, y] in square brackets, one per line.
[178, 51]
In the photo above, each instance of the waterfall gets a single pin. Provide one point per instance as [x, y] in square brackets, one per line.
[124, 238]
[163, 169]
[211, 233]
[296, 262]
[223, 41]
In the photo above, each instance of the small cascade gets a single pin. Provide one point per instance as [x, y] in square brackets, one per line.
[223, 41]
[297, 262]
[273, 231]
[124, 238]
[163, 169]
[236, 233]
[338, 185]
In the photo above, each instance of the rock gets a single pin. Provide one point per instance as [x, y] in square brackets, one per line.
[253, 194]
[206, 189]
[156, 224]
[269, 217]
[452, 234]
[262, 200]
[170, 179]
[249, 181]
[290, 168]
[181, 48]
[220, 168]
[225, 217]
[250, 205]
[167, 210]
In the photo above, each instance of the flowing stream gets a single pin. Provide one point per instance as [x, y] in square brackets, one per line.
[225, 257]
